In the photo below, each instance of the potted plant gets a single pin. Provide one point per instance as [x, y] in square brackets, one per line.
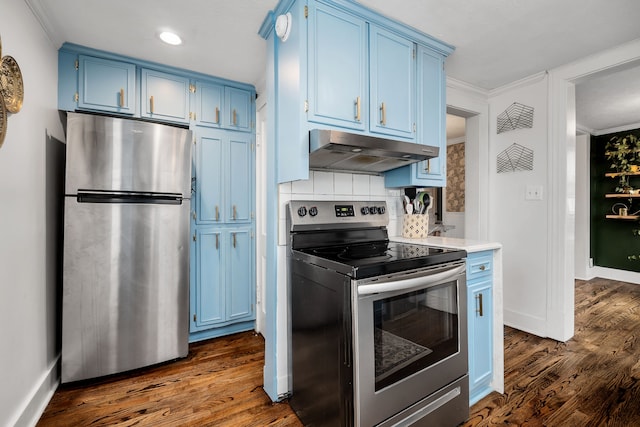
[624, 154]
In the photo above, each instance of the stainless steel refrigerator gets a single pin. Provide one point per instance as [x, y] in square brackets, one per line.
[125, 301]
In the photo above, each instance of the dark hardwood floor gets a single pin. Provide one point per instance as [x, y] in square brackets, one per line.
[591, 380]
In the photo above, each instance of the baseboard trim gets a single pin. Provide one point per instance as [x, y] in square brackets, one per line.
[40, 397]
[615, 274]
[525, 323]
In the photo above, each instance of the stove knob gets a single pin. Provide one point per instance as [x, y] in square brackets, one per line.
[381, 210]
[364, 210]
[302, 211]
[313, 211]
[373, 210]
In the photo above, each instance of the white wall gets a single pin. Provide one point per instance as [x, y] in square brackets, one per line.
[30, 172]
[582, 207]
[520, 224]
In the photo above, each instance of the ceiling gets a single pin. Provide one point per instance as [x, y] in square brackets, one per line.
[497, 41]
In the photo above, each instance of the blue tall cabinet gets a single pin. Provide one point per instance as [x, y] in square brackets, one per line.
[221, 114]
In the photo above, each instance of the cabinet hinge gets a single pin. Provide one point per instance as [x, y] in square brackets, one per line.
[194, 237]
[76, 97]
[253, 148]
[77, 65]
[192, 88]
[306, 12]
[252, 215]
[252, 236]
[306, 106]
[414, 53]
[195, 215]
[252, 307]
[414, 128]
[194, 317]
[194, 141]
[192, 115]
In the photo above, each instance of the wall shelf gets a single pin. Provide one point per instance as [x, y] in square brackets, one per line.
[622, 196]
[627, 217]
[616, 174]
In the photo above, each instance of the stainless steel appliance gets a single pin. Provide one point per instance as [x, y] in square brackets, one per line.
[344, 151]
[378, 328]
[125, 300]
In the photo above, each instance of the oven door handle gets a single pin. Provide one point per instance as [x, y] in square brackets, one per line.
[407, 284]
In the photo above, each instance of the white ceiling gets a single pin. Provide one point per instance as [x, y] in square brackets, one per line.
[497, 41]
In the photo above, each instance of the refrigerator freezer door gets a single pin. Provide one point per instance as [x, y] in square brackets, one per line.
[126, 286]
[112, 154]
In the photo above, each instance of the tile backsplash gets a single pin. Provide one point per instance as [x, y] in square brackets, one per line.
[340, 186]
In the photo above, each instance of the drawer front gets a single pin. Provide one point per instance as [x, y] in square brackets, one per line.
[479, 264]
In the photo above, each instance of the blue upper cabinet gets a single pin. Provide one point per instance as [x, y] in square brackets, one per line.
[392, 84]
[164, 96]
[106, 85]
[337, 68]
[209, 103]
[431, 111]
[238, 109]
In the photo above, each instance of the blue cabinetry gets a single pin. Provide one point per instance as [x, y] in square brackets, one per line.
[480, 323]
[223, 294]
[337, 68]
[431, 124]
[392, 84]
[106, 85]
[350, 68]
[164, 96]
[223, 267]
[224, 176]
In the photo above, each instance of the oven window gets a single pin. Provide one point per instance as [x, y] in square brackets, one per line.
[413, 331]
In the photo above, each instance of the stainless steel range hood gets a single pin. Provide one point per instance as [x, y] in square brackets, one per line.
[335, 150]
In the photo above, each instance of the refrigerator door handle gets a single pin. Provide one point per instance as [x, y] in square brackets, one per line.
[138, 198]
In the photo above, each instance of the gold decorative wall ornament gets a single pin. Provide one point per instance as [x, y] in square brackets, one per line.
[11, 84]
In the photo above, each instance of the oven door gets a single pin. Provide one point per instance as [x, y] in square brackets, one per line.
[410, 341]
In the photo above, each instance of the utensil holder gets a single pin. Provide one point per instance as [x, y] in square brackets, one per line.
[415, 226]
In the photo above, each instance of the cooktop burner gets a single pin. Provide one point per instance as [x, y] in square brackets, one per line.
[352, 238]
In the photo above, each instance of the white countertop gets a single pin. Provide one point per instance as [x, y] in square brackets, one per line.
[450, 242]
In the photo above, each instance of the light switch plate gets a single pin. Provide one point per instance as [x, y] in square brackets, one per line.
[533, 192]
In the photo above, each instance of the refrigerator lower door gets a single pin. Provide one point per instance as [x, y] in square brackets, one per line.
[125, 300]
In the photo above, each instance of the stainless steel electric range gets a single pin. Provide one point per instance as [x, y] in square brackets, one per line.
[378, 328]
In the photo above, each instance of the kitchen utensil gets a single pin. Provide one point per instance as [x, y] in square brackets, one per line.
[405, 202]
[409, 209]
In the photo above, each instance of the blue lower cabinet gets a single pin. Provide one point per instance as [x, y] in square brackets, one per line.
[480, 323]
[222, 282]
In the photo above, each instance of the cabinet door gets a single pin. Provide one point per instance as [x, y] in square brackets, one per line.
[238, 109]
[209, 300]
[164, 96]
[432, 117]
[337, 68]
[240, 289]
[392, 85]
[209, 101]
[106, 85]
[210, 172]
[431, 112]
[241, 173]
[480, 306]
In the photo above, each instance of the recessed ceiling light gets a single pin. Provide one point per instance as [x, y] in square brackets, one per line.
[170, 38]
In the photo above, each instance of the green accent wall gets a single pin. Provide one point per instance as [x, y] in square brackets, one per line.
[612, 240]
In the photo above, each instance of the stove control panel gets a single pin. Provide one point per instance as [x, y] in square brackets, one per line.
[319, 214]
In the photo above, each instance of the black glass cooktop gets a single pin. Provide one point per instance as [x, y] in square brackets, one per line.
[384, 257]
